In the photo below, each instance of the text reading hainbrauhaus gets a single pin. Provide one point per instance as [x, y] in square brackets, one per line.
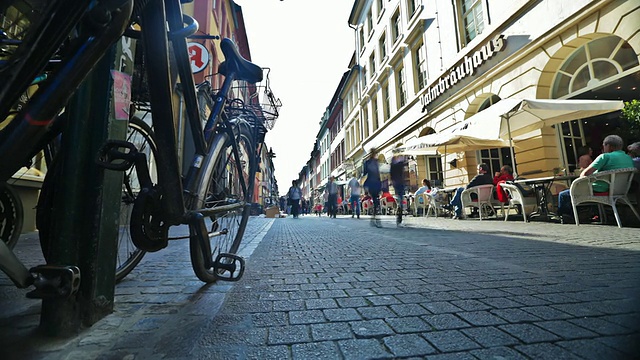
[465, 68]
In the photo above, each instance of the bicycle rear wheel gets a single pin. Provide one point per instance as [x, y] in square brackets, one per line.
[220, 185]
[11, 216]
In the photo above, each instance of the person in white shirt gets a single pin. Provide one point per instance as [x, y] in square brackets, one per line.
[354, 197]
[426, 186]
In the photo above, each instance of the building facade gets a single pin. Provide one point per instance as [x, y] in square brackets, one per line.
[424, 66]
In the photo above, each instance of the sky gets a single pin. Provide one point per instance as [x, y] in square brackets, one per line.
[308, 45]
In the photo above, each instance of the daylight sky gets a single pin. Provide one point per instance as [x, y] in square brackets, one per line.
[308, 45]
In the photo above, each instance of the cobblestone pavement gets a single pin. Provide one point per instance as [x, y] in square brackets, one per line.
[338, 288]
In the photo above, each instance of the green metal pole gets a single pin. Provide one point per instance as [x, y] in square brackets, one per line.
[87, 197]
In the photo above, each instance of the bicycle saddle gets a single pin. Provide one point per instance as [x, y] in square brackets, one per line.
[235, 63]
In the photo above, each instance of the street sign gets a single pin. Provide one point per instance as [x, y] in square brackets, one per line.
[199, 56]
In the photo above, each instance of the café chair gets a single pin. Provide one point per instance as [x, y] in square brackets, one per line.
[387, 207]
[484, 198]
[367, 207]
[619, 181]
[527, 203]
[421, 201]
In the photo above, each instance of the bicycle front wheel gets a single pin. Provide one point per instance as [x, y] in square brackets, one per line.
[227, 185]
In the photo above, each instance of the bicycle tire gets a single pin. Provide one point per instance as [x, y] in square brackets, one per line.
[128, 255]
[11, 215]
[217, 187]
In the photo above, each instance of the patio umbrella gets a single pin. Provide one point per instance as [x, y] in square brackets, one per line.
[527, 115]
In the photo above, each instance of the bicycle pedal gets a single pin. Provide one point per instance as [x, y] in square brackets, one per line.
[228, 267]
[117, 155]
[53, 281]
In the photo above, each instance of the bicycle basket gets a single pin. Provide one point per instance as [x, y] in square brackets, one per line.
[258, 98]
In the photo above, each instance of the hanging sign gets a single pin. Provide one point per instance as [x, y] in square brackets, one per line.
[199, 56]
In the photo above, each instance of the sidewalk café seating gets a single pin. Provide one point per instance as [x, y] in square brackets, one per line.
[527, 203]
[619, 181]
[484, 200]
[421, 201]
[387, 207]
[367, 207]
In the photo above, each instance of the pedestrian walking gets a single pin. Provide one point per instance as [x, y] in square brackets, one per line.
[332, 196]
[396, 170]
[294, 194]
[354, 197]
[373, 184]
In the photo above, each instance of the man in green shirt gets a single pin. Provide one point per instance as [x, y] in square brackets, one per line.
[612, 158]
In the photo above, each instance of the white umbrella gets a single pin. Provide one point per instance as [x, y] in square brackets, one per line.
[527, 115]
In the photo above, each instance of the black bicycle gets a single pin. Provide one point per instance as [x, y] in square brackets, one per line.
[213, 197]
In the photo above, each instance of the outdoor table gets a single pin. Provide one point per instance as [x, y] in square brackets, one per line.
[541, 187]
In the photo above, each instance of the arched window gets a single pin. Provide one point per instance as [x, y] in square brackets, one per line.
[495, 157]
[593, 63]
[604, 68]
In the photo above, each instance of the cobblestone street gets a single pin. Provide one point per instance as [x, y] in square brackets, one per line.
[339, 288]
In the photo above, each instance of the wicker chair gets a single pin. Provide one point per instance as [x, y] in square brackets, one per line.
[619, 181]
[527, 203]
[484, 200]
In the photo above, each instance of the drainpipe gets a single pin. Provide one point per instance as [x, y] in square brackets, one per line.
[357, 56]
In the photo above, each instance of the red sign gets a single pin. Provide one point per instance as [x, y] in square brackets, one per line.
[199, 56]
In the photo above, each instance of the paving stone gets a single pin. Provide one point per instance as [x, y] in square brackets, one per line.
[370, 328]
[528, 333]
[546, 352]
[284, 335]
[445, 321]
[408, 310]
[515, 315]
[440, 307]
[348, 314]
[410, 324]
[375, 312]
[480, 318]
[352, 302]
[269, 319]
[316, 350]
[497, 353]
[363, 349]
[320, 304]
[600, 326]
[566, 329]
[267, 352]
[450, 341]
[546, 312]
[408, 345]
[490, 336]
[383, 300]
[331, 331]
[306, 317]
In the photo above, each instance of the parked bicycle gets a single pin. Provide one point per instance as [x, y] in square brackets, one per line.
[213, 198]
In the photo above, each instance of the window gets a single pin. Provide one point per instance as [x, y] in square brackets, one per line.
[370, 22]
[495, 157]
[433, 166]
[385, 102]
[412, 7]
[382, 46]
[361, 38]
[374, 113]
[365, 122]
[472, 19]
[365, 76]
[395, 26]
[372, 64]
[420, 64]
[380, 6]
[401, 86]
[592, 63]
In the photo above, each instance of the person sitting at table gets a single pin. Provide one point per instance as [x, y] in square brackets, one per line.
[505, 174]
[483, 178]
[612, 158]
[634, 152]
[585, 159]
[425, 188]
